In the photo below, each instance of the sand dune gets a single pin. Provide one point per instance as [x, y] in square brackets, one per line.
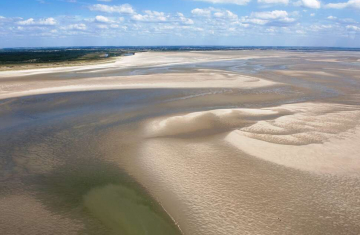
[316, 137]
[209, 120]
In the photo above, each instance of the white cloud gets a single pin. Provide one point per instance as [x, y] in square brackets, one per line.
[27, 22]
[320, 27]
[75, 27]
[31, 21]
[201, 12]
[225, 15]
[312, 14]
[353, 28]
[256, 21]
[102, 19]
[215, 13]
[104, 0]
[314, 4]
[344, 21]
[185, 20]
[150, 16]
[269, 2]
[236, 2]
[350, 4]
[48, 21]
[269, 15]
[122, 9]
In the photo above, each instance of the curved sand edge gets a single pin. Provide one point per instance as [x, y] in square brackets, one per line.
[205, 79]
[314, 137]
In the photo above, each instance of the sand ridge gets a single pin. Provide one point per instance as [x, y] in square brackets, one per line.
[316, 137]
[202, 79]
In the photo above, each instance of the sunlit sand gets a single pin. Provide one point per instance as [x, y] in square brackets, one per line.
[217, 142]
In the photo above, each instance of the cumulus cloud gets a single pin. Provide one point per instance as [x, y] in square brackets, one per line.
[314, 4]
[273, 2]
[201, 12]
[121, 9]
[31, 21]
[113, 20]
[225, 14]
[270, 16]
[102, 19]
[350, 4]
[271, 19]
[254, 21]
[236, 2]
[75, 27]
[353, 28]
[215, 13]
[344, 21]
[312, 29]
[266, 15]
[150, 16]
[185, 20]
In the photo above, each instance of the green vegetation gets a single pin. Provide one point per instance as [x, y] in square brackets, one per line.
[31, 56]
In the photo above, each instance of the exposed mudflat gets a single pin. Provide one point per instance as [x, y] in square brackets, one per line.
[226, 142]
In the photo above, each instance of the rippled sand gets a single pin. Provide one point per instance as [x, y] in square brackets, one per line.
[227, 142]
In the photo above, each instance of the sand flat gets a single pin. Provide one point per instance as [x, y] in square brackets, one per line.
[204, 79]
[216, 142]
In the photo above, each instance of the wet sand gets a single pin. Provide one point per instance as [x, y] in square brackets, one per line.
[226, 142]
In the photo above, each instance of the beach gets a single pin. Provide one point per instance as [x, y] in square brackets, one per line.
[195, 142]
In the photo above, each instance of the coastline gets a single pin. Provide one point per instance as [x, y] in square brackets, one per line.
[206, 134]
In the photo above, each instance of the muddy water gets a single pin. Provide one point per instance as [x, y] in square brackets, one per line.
[158, 161]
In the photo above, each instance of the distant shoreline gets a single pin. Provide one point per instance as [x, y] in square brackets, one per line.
[31, 66]
[185, 47]
[24, 59]
[93, 56]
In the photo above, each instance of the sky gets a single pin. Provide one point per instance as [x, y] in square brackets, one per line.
[48, 23]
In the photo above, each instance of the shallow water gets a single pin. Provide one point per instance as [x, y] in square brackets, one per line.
[165, 161]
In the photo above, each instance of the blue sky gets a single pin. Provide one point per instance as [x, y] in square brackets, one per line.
[32, 23]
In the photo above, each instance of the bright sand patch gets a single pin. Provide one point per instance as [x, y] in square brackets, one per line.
[145, 59]
[16, 84]
[321, 138]
[200, 121]
[204, 79]
[338, 155]
[316, 137]
[296, 73]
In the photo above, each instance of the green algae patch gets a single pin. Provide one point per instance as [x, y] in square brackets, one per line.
[124, 211]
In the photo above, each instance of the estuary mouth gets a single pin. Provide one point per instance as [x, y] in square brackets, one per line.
[183, 143]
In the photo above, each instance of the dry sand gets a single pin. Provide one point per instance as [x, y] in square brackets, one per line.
[226, 142]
